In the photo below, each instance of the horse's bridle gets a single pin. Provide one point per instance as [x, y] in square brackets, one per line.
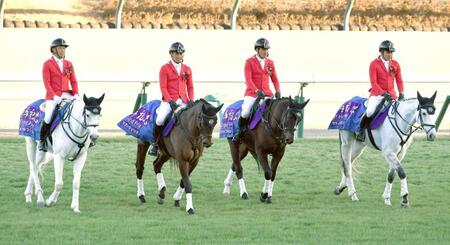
[282, 125]
[412, 128]
[66, 120]
[199, 123]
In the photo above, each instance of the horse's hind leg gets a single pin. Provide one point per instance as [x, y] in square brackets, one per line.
[231, 173]
[347, 143]
[142, 148]
[58, 163]
[78, 165]
[157, 165]
[34, 158]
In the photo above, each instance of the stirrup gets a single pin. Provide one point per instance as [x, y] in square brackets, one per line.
[361, 137]
[153, 151]
[43, 146]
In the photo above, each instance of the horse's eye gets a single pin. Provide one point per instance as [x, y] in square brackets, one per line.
[88, 115]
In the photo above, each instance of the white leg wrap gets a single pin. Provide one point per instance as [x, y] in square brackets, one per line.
[160, 180]
[271, 183]
[229, 179]
[178, 194]
[351, 186]
[387, 191]
[140, 187]
[403, 187]
[189, 201]
[242, 186]
[265, 188]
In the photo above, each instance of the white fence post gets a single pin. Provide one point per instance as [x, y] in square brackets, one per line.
[1, 13]
[233, 16]
[119, 13]
[348, 10]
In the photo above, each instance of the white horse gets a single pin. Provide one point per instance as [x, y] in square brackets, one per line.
[392, 138]
[71, 140]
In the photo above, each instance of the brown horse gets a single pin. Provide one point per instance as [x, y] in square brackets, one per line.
[185, 143]
[270, 137]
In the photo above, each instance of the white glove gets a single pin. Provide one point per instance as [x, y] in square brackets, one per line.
[57, 99]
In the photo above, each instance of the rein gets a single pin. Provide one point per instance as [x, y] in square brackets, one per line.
[281, 127]
[412, 128]
[79, 140]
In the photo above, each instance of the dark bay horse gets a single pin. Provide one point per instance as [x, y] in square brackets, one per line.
[185, 144]
[268, 138]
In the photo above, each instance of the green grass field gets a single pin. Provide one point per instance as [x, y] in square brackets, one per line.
[304, 209]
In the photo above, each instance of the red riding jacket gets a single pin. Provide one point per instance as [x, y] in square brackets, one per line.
[57, 82]
[257, 78]
[174, 86]
[382, 80]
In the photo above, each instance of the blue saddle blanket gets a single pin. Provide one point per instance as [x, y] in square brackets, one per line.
[141, 123]
[229, 124]
[32, 117]
[349, 115]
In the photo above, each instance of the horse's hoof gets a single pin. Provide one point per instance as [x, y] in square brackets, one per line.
[263, 197]
[226, 190]
[269, 200]
[244, 196]
[387, 201]
[41, 204]
[177, 203]
[28, 199]
[162, 193]
[355, 198]
[76, 210]
[142, 199]
[405, 202]
[159, 200]
[190, 211]
[339, 190]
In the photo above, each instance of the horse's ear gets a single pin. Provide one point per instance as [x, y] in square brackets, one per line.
[419, 97]
[203, 108]
[302, 105]
[433, 97]
[290, 101]
[85, 99]
[217, 109]
[99, 100]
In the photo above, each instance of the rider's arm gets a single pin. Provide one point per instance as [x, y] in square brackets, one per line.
[248, 76]
[190, 85]
[46, 77]
[274, 77]
[398, 78]
[73, 80]
[375, 88]
[163, 84]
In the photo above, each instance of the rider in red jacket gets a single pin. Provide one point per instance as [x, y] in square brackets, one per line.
[258, 70]
[60, 83]
[177, 88]
[383, 71]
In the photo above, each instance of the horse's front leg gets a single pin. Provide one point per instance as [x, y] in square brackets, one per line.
[184, 171]
[394, 162]
[58, 163]
[388, 188]
[268, 185]
[157, 165]
[78, 165]
[142, 148]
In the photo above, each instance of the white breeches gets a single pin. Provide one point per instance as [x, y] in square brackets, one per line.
[164, 110]
[372, 104]
[248, 104]
[51, 104]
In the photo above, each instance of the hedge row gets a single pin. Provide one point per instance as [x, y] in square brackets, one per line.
[151, 25]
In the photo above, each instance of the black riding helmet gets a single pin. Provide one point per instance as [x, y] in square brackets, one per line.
[58, 42]
[387, 45]
[176, 47]
[262, 43]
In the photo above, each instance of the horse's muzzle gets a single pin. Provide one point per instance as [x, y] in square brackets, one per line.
[431, 137]
[289, 141]
[207, 144]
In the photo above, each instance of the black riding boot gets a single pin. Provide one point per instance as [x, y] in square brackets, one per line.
[45, 128]
[362, 128]
[154, 150]
[241, 130]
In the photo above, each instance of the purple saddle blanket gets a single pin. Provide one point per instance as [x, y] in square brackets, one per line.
[229, 123]
[32, 117]
[349, 115]
[141, 123]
